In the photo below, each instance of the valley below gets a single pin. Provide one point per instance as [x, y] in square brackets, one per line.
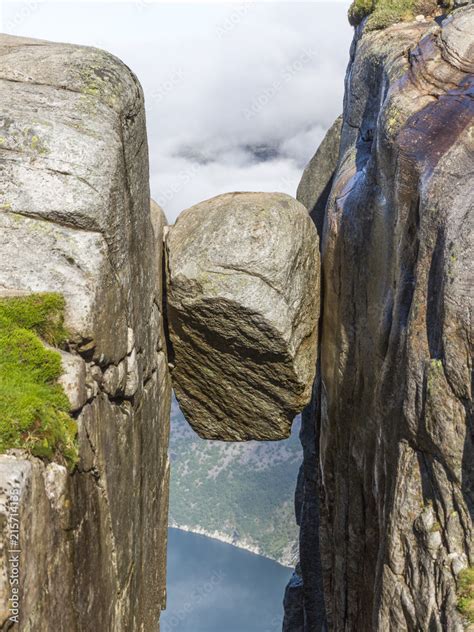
[238, 493]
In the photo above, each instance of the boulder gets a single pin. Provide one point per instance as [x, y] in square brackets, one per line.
[243, 307]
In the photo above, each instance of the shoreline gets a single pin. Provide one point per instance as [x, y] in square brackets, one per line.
[227, 539]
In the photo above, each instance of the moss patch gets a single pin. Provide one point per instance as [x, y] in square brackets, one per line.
[359, 10]
[34, 410]
[384, 13]
[466, 593]
[435, 377]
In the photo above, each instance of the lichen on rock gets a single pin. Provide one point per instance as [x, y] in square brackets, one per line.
[34, 409]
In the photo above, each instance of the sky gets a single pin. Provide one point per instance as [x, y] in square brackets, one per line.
[238, 96]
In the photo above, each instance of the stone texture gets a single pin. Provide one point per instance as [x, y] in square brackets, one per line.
[73, 132]
[114, 379]
[243, 304]
[393, 405]
[294, 605]
[73, 379]
[35, 516]
[75, 218]
[316, 181]
[304, 596]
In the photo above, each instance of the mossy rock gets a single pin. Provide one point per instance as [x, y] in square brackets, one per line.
[34, 410]
[466, 593]
[384, 13]
[359, 10]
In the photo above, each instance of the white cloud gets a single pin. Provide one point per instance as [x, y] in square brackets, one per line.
[179, 183]
[238, 96]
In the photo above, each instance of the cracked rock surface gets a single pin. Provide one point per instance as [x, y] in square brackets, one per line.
[392, 410]
[76, 218]
[243, 305]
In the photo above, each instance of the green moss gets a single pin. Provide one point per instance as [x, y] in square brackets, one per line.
[466, 593]
[384, 13]
[41, 313]
[34, 410]
[360, 9]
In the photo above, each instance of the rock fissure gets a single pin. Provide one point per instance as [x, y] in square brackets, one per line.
[55, 220]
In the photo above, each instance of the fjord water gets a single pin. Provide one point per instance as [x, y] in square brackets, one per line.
[216, 587]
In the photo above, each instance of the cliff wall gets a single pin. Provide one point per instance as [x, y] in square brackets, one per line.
[387, 526]
[76, 219]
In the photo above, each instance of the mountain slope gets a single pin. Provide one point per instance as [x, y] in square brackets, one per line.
[238, 492]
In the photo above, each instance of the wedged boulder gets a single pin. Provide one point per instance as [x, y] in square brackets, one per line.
[243, 307]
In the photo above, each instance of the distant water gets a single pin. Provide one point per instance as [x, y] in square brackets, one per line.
[216, 587]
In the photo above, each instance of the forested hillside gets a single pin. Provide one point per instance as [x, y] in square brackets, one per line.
[240, 492]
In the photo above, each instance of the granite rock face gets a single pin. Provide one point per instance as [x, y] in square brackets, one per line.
[392, 410]
[304, 599]
[243, 305]
[75, 218]
[304, 596]
[35, 516]
[315, 185]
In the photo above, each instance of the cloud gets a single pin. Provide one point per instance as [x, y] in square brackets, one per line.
[238, 96]
[178, 182]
